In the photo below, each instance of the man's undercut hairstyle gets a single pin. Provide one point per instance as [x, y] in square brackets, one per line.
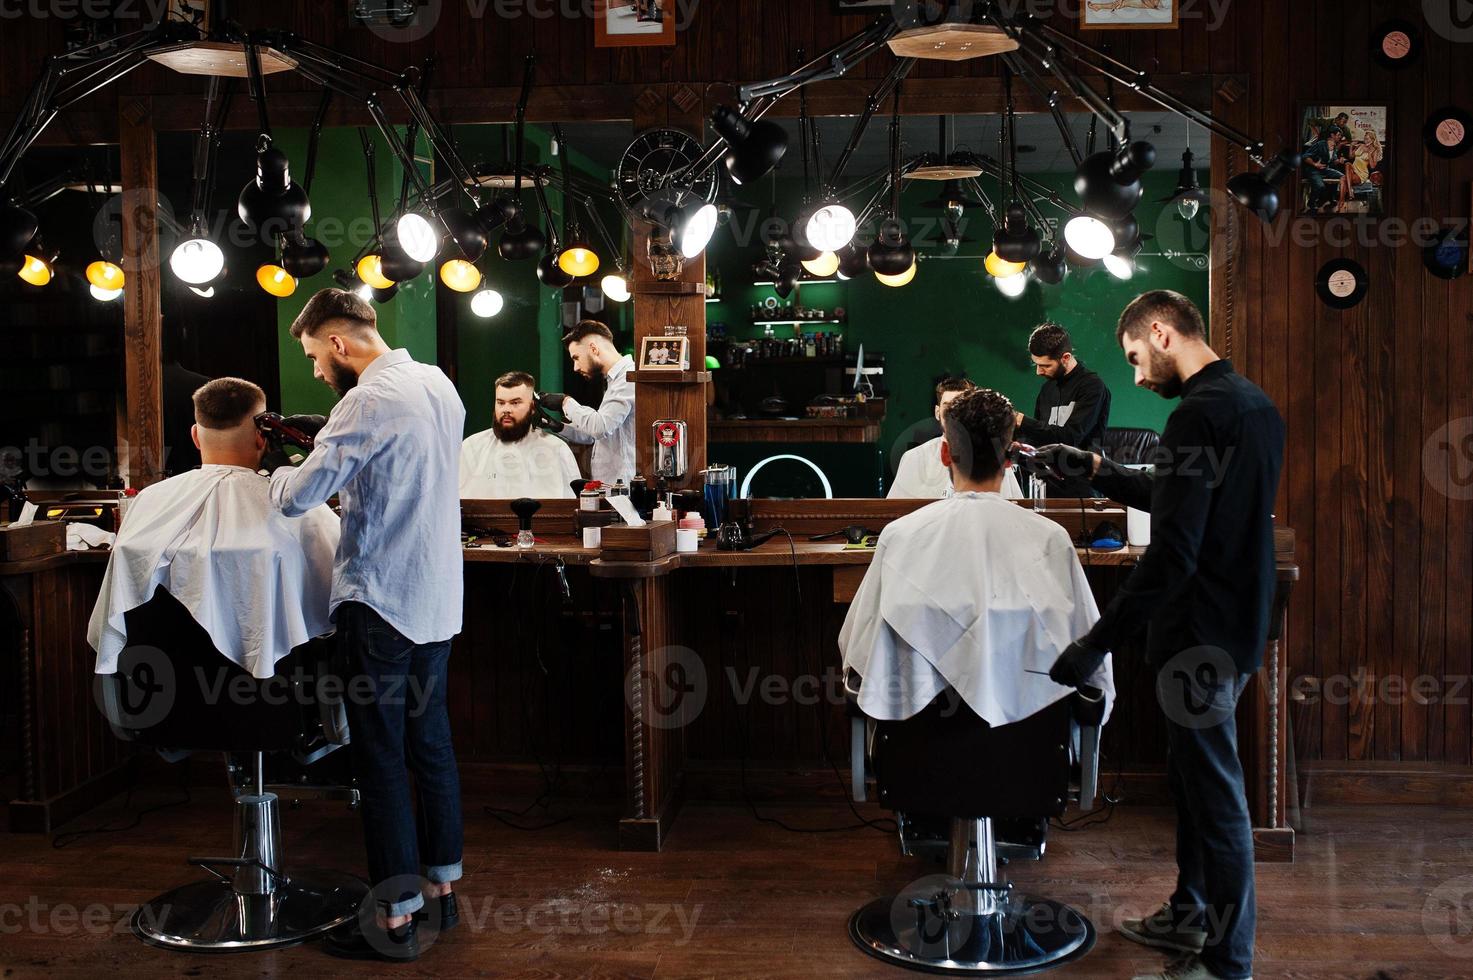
[1050, 340]
[226, 403]
[953, 384]
[979, 429]
[515, 379]
[334, 304]
[585, 329]
[1161, 306]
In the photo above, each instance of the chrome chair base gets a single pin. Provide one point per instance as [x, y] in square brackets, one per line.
[1020, 936]
[211, 917]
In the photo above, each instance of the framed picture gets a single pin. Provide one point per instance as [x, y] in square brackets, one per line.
[664, 354]
[634, 23]
[1129, 14]
[1346, 159]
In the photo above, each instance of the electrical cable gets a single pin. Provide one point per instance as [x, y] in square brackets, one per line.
[71, 837]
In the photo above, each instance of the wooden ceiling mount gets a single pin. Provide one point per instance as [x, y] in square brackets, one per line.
[952, 42]
[220, 58]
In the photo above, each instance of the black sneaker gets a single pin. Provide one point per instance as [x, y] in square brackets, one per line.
[397, 945]
[449, 912]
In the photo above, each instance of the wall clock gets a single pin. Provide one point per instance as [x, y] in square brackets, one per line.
[1342, 283]
[651, 175]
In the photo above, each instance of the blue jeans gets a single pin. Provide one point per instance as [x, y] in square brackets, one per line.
[395, 697]
[1214, 834]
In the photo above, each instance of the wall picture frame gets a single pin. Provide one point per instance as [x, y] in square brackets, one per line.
[1120, 15]
[634, 23]
[664, 354]
[1345, 160]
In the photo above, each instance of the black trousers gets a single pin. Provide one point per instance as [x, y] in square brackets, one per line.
[1214, 834]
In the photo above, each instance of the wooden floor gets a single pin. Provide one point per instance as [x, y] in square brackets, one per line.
[734, 898]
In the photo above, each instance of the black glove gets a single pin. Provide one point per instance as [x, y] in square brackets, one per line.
[552, 400]
[310, 424]
[1077, 664]
[1065, 462]
[274, 459]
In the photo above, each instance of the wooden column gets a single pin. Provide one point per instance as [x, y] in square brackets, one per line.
[659, 304]
[141, 436]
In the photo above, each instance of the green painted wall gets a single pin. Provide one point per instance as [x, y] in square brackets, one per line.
[342, 219]
[951, 319]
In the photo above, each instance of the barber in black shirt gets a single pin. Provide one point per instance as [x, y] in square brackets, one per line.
[1073, 406]
[1205, 586]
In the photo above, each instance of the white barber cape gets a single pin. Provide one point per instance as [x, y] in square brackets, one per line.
[971, 593]
[257, 582]
[921, 476]
[537, 465]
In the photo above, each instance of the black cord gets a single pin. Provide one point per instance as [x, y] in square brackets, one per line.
[72, 836]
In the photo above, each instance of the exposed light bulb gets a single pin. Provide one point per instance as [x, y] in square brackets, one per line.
[903, 279]
[417, 237]
[197, 261]
[487, 303]
[1090, 237]
[616, 288]
[1119, 266]
[1012, 286]
[830, 228]
[1188, 208]
[824, 266]
[104, 295]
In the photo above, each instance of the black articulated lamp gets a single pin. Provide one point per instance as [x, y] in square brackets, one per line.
[272, 203]
[753, 148]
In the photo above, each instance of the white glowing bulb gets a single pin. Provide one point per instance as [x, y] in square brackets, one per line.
[197, 261]
[1012, 286]
[1188, 207]
[1089, 237]
[487, 303]
[1120, 267]
[105, 295]
[830, 228]
[699, 228]
[824, 266]
[417, 237]
[616, 288]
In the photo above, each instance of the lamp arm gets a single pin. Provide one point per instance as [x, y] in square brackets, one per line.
[1139, 81]
[1056, 61]
[872, 105]
[1050, 96]
[372, 174]
[553, 241]
[411, 132]
[834, 63]
[529, 67]
[258, 86]
[314, 138]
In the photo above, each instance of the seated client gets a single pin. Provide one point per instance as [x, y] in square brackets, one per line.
[921, 474]
[257, 582]
[973, 592]
[515, 457]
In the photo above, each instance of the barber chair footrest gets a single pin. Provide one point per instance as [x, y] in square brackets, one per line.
[1025, 936]
[211, 917]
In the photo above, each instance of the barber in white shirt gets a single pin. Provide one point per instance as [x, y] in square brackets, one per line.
[610, 427]
[515, 458]
[391, 452]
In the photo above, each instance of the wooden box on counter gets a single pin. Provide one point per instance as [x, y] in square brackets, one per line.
[35, 540]
[624, 543]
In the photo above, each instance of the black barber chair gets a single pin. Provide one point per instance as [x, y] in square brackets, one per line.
[1130, 447]
[175, 692]
[948, 761]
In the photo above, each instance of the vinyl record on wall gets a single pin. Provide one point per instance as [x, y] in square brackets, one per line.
[1448, 132]
[1447, 257]
[1342, 283]
[1396, 44]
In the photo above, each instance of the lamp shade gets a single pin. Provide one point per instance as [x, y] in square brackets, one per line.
[1090, 237]
[105, 275]
[273, 201]
[853, 261]
[304, 257]
[753, 148]
[466, 231]
[17, 228]
[616, 287]
[696, 223]
[521, 241]
[1012, 286]
[903, 279]
[371, 270]
[396, 265]
[1100, 190]
[1000, 268]
[550, 273]
[197, 261]
[460, 275]
[417, 236]
[578, 259]
[1050, 267]
[891, 260]
[104, 295]
[35, 270]
[276, 281]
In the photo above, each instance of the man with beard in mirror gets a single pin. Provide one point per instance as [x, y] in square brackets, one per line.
[391, 452]
[516, 457]
[1073, 406]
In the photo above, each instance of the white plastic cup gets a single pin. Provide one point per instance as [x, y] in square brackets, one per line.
[1137, 527]
[593, 537]
[686, 540]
